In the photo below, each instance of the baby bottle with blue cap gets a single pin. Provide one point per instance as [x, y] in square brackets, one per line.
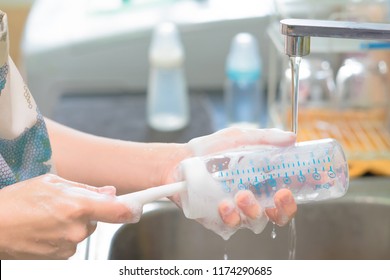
[242, 87]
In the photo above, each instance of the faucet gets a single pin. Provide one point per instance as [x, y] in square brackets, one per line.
[297, 43]
[298, 32]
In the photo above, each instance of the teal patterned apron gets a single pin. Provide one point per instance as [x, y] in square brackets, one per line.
[24, 143]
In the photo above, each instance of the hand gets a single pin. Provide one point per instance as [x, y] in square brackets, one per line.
[47, 216]
[244, 210]
[246, 204]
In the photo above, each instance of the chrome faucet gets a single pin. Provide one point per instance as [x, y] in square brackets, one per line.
[298, 32]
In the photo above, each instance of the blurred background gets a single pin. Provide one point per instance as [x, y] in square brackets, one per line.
[17, 11]
[88, 64]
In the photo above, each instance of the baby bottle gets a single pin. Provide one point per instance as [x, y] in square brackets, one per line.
[242, 86]
[167, 99]
[312, 171]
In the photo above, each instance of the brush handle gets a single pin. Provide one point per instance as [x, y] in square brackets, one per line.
[152, 194]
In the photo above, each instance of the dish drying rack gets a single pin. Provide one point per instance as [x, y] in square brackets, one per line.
[364, 135]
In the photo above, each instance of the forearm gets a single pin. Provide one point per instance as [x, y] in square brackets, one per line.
[99, 161]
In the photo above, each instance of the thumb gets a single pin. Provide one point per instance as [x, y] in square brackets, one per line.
[101, 204]
[109, 190]
[104, 206]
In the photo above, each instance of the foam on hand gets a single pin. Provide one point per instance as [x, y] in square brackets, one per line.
[202, 196]
[135, 201]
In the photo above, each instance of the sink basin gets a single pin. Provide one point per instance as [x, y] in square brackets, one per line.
[356, 226]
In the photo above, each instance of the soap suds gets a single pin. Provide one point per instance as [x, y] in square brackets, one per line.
[203, 197]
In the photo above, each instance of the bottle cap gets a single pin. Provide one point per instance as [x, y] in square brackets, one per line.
[243, 62]
[166, 49]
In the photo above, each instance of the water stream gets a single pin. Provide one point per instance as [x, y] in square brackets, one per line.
[292, 240]
[295, 62]
[292, 234]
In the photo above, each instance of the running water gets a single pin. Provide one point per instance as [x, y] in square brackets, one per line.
[292, 240]
[295, 62]
[225, 256]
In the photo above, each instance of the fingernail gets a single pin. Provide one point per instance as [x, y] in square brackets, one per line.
[226, 210]
[109, 190]
[287, 199]
[245, 199]
[229, 215]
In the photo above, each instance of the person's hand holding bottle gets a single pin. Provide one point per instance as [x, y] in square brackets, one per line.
[244, 210]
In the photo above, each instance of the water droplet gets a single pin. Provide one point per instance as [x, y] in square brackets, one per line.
[273, 232]
[225, 257]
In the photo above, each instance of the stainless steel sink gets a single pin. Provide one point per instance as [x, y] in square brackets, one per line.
[356, 226]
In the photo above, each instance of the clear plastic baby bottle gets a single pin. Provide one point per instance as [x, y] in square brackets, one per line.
[167, 99]
[312, 170]
[242, 86]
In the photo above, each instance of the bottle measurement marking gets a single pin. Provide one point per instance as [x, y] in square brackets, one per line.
[268, 173]
[271, 175]
[272, 182]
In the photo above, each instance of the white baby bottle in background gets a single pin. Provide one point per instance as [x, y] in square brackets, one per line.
[242, 87]
[167, 97]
